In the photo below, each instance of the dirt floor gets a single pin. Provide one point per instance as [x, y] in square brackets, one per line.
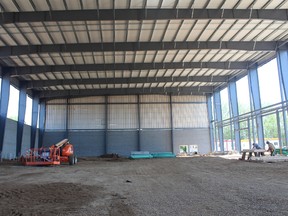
[176, 186]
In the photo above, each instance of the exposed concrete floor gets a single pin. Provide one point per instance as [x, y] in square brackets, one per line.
[175, 186]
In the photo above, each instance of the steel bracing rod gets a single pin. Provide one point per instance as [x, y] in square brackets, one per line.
[47, 83]
[141, 14]
[198, 90]
[128, 66]
[139, 46]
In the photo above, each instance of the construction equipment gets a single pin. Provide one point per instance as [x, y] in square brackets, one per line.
[54, 155]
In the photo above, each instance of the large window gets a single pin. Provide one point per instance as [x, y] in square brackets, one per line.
[28, 111]
[243, 95]
[269, 84]
[13, 104]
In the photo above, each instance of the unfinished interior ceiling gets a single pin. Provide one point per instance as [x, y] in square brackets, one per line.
[62, 48]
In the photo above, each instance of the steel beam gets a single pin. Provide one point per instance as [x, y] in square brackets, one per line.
[4, 100]
[35, 103]
[200, 90]
[256, 99]
[46, 83]
[140, 14]
[235, 113]
[7, 51]
[19, 71]
[21, 118]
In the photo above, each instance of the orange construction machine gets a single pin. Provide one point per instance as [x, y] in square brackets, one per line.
[54, 155]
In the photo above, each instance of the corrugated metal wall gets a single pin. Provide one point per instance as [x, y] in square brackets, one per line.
[87, 119]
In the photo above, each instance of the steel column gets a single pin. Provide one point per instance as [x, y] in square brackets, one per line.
[282, 63]
[218, 111]
[42, 116]
[211, 120]
[255, 96]
[4, 100]
[232, 90]
[139, 122]
[21, 118]
[106, 126]
[35, 103]
[67, 119]
[279, 129]
[172, 125]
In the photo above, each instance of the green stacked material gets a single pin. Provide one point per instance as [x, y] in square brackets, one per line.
[140, 155]
[283, 151]
[163, 155]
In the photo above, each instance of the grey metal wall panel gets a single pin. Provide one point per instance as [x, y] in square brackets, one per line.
[55, 117]
[86, 116]
[155, 140]
[87, 143]
[122, 116]
[155, 116]
[26, 139]
[190, 115]
[122, 142]
[9, 147]
[200, 137]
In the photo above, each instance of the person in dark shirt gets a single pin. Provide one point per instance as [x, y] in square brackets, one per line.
[255, 146]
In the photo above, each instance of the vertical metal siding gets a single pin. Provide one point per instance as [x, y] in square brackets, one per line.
[155, 116]
[190, 115]
[122, 116]
[55, 117]
[86, 116]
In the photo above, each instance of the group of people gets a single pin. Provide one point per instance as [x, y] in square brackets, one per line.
[271, 148]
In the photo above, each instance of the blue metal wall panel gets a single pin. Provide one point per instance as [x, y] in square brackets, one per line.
[87, 143]
[122, 142]
[156, 140]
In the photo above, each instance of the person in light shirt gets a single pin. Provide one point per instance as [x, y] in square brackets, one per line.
[271, 148]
